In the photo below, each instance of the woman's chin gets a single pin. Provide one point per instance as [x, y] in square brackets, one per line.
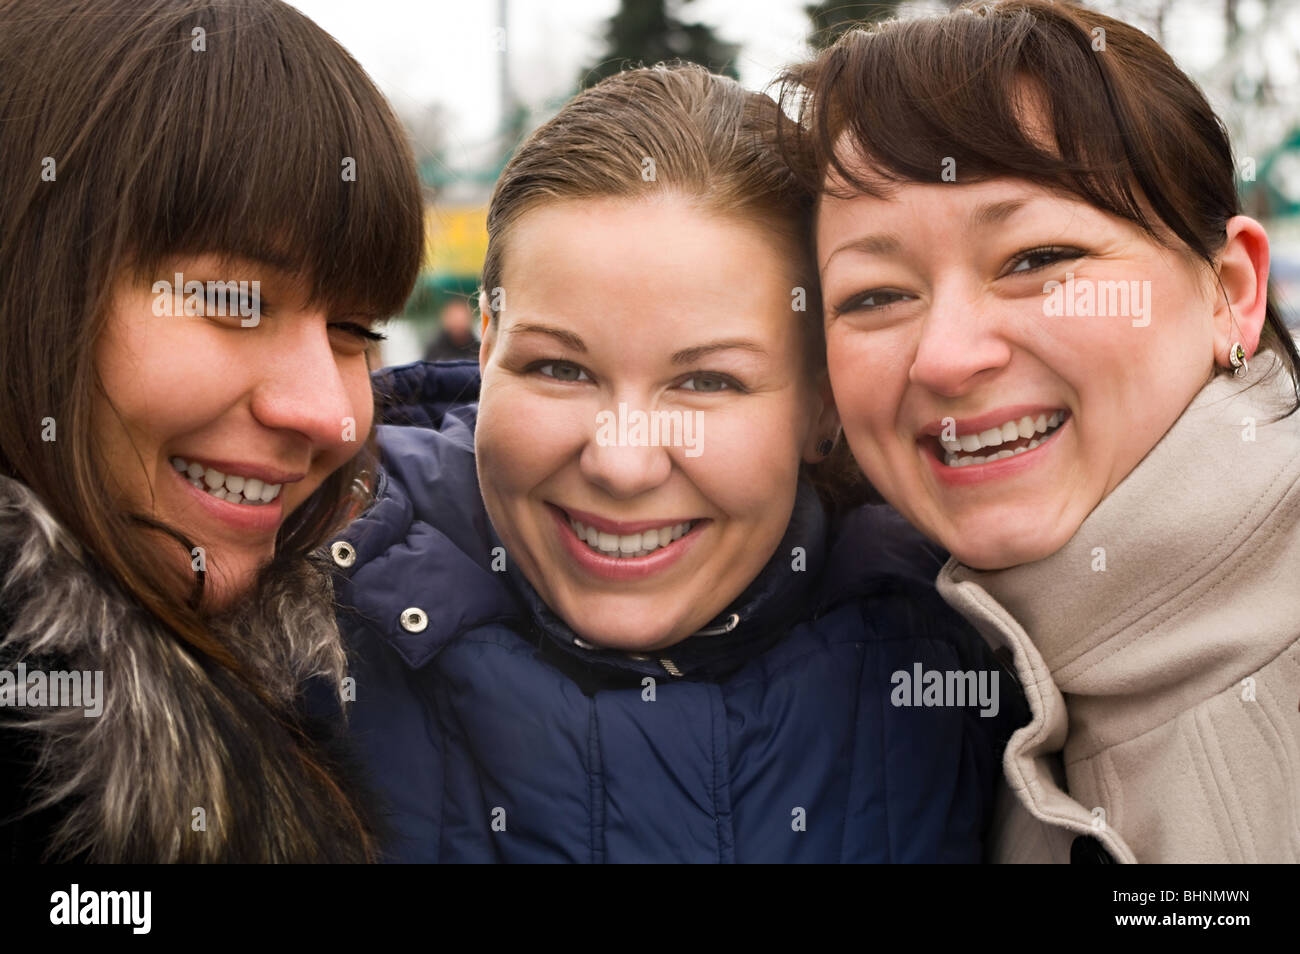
[1001, 553]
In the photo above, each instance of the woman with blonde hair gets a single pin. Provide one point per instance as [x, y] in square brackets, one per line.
[602, 614]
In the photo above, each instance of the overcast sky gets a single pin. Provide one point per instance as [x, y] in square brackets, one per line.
[444, 51]
[423, 51]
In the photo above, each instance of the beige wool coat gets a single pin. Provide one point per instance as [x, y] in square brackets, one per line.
[1160, 649]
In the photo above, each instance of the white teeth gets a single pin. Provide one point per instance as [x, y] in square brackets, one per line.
[964, 445]
[628, 546]
[1025, 427]
[226, 487]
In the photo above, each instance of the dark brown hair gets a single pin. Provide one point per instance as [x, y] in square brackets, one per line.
[176, 127]
[1126, 125]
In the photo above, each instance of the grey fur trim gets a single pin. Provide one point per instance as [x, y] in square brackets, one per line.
[177, 731]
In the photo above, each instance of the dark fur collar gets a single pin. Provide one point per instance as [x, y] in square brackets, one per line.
[177, 732]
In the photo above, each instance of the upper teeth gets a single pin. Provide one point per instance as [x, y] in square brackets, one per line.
[627, 546]
[1010, 431]
[1025, 427]
[228, 487]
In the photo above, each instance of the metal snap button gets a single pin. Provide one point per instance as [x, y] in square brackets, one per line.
[414, 620]
[343, 552]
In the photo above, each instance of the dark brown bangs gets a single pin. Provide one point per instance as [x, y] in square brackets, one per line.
[263, 146]
[1016, 89]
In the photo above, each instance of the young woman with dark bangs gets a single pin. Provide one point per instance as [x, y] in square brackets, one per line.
[169, 456]
[1053, 348]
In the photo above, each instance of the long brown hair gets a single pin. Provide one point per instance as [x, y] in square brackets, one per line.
[173, 127]
[1127, 125]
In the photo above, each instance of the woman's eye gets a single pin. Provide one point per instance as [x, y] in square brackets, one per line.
[709, 383]
[359, 331]
[1037, 258]
[871, 301]
[563, 371]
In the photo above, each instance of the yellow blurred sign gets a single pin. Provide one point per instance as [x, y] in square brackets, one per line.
[456, 240]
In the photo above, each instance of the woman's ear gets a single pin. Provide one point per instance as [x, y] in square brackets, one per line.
[826, 423]
[1243, 299]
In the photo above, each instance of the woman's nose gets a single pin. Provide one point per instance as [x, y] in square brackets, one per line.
[622, 456]
[960, 338]
[303, 388]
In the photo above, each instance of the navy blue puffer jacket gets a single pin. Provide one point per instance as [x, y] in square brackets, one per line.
[496, 735]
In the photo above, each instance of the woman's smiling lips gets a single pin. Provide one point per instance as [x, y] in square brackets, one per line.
[1013, 437]
[262, 518]
[682, 535]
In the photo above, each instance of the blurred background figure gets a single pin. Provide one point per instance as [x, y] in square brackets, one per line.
[504, 67]
[455, 338]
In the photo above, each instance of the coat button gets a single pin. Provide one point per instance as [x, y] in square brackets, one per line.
[414, 619]
[343, 552]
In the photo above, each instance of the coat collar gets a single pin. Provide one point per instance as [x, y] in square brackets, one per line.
[1167, 538]
[1190, 601]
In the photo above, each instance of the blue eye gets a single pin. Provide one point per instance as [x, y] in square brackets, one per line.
[564, 371]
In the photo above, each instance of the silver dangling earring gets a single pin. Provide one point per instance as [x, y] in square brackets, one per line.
[1237, 357]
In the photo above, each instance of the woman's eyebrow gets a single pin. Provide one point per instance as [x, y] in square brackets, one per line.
[883, 243]
[995, 213]
[690, 355]
[568, 338]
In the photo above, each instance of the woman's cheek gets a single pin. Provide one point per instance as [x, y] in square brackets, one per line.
[749, 454]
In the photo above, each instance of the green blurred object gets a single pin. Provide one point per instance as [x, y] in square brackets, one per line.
[833, 18]
[1275, 192]
[645, 32]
